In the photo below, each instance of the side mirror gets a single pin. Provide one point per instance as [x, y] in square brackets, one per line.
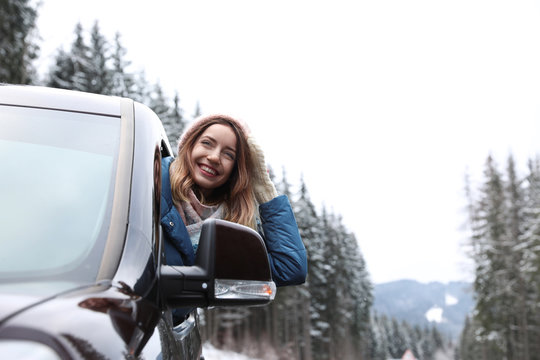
[231, 268]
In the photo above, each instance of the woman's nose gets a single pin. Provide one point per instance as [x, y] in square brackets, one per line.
[213, 156]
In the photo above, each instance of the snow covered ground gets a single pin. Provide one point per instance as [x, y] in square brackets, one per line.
[211, 353]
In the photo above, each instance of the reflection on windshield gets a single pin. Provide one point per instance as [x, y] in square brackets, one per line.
[57, 177]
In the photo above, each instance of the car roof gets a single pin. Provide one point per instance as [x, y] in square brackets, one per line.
[60, 99]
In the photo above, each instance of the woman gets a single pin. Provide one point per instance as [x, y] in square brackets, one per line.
[220, 172]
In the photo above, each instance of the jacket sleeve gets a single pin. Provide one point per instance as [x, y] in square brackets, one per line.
[286, 251]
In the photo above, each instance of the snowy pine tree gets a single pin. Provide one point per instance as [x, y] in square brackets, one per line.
[291, 303]
[72, 70]
[122, 82]
[197, 111]
[379, 342]
[61, 72]
[529, 265]
[505, 242]
[82, 64]
[99, 73]
[311, 233]
[158, 101]
[488, 242]
[173, 122]
[18, 37]
[171, 117]
[517, 286]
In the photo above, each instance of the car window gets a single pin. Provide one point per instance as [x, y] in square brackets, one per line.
[56, 190]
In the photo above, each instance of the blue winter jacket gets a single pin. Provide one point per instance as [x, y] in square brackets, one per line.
[286, 252]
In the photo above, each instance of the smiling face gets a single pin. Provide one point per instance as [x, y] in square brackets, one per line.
[213, 157]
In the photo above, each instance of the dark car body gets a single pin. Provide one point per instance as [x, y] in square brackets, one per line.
[83, 274]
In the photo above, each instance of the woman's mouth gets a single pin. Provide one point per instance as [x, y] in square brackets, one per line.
[207, 170]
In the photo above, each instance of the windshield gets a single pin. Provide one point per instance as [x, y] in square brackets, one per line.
[56, 192]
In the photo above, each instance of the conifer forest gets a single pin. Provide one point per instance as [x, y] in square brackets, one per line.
[331, 315]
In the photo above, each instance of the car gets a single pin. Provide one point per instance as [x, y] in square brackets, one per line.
[82, 270]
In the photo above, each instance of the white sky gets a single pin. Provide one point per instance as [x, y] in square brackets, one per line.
[381, 105]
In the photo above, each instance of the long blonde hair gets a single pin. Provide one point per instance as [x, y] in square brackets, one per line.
[237, 192]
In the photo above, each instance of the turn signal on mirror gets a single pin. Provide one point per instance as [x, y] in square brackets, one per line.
[243, 289]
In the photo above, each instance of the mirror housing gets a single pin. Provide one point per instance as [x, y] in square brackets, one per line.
[231, 269]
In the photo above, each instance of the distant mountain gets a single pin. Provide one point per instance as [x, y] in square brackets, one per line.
[445, 305]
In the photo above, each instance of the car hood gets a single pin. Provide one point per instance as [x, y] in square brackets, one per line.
[17, 297]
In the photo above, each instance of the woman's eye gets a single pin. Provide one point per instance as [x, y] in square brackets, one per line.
[229, 155]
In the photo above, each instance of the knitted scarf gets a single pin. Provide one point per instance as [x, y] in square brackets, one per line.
[194, 213]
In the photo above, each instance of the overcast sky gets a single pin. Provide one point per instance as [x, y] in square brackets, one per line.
[381, 105]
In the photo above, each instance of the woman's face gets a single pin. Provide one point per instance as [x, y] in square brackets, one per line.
[213, 157]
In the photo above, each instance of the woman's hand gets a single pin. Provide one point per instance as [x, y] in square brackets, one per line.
[262, 185]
